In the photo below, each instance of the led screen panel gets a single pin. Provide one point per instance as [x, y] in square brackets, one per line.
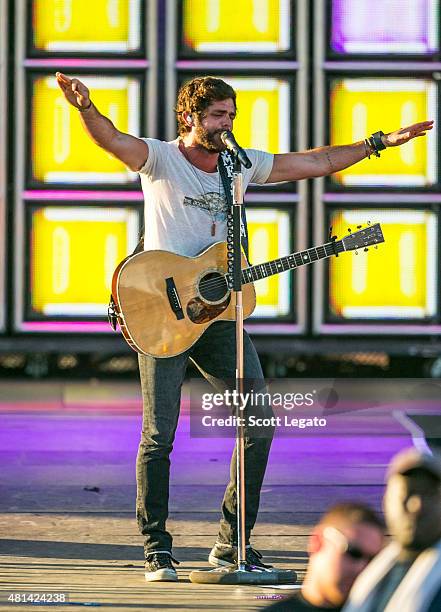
[81, 26]
[228, 26]
[355, 112]
[364, 26]
[269, 232]
[396, 281]
[73, 252]
[62, 152]
[264, 110]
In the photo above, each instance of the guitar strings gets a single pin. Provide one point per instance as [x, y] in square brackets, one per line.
[189, 290]
[218, 282]
[208, 284]
[215, 283]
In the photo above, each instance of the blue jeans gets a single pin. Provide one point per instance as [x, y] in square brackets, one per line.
[161, 380]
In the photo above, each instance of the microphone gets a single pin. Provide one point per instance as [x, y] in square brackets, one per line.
[231, 144]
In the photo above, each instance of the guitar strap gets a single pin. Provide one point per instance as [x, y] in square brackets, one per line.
[225, 165]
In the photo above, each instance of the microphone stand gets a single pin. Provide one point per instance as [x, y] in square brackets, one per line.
[241, 573]
[237, 187]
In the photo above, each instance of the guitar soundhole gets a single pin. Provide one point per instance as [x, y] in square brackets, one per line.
[213, 287]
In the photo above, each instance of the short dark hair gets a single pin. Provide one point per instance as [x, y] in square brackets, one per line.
[354, 513]
[197, 95]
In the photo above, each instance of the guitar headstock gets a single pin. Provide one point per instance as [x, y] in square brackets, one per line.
[362, 238]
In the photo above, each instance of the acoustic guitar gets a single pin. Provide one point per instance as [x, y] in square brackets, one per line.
[164, 302]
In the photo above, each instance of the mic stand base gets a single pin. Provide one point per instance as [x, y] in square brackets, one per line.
[250, 574]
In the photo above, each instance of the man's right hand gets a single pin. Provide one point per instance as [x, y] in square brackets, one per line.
[75, 92]
[132, 151]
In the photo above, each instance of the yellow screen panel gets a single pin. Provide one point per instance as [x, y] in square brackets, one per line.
[397, 280]
[269, 238]
[225, 26]
[359, 107]
[74, 252]
[61, 150]
[264, 110]
[111, 26]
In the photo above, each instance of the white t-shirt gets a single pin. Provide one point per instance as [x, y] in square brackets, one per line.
[182, 202]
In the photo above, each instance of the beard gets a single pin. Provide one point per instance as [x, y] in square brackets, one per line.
[209, 139]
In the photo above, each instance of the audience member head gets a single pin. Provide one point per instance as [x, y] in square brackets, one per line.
[348, 536]
[412, 502]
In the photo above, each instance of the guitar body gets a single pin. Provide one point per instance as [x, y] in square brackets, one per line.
[165, 301]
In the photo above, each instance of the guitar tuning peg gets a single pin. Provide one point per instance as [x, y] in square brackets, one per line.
[359, 226]
[376, 246]
[366, 249]
[349, 230]
[368, 222]
[356, 252]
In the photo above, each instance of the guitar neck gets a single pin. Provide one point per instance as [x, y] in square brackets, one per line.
[289, 262]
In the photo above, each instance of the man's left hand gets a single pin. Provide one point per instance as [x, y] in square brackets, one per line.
[403, 135]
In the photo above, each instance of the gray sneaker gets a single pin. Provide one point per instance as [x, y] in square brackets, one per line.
[224, 555]
[159, 567]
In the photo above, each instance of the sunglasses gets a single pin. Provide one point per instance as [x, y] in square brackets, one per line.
[351, 550]
[355, 553]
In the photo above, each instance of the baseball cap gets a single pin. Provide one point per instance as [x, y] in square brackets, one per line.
[412, 459]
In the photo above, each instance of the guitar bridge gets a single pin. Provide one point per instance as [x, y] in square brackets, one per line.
[173, 298]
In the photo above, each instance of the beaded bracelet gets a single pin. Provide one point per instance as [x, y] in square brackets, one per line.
[368, 148]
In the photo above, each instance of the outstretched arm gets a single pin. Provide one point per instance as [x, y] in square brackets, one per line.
[132, 151]
[326, 160]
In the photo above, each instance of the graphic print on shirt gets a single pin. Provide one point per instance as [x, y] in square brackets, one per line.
[213, 203]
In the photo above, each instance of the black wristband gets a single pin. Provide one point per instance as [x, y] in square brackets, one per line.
[86, 108]
[378, 143]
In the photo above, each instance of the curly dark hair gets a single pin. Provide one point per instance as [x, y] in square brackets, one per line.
[197, 95]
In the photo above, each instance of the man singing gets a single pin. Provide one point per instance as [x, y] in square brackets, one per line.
[185, 212]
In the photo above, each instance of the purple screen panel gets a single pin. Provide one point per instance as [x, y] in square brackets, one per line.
[384, 26]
